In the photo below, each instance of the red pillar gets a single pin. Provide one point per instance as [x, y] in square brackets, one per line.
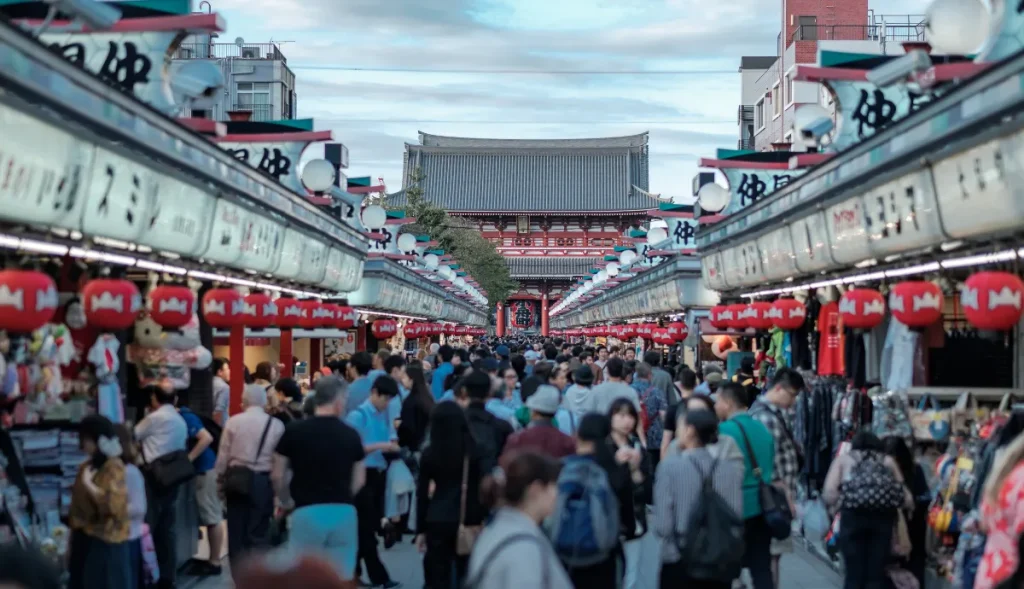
[544, 314]
[360, 337]
[501, 320]
[286, 353]
[236, 354]
[316, 355]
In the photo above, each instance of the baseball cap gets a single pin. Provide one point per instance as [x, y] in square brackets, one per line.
[489, 365]
[713, 378]
[502, 351]
[546, 400]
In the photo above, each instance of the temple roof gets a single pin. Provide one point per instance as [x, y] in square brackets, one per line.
[550, 267]
[530, 176]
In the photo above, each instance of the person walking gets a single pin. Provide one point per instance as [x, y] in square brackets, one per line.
[135, 484]
[209, 510]
[490, 433]
[360, 382]
[614, 388]
[654, 406]
[317, 471]
[758, 448]
[452, 465]
[442, 371]
[414, 419]
[221, 369]
[624, 438]
[541, 434]
[512, 551]
[244, 462]
[579, 399]
[660, 378]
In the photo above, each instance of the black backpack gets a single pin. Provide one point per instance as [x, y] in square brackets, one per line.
[871, 485]
[713, 548]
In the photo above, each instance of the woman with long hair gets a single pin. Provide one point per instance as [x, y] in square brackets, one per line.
[624, 438]
[416, 409]
[917, 521]
[265, 375]
[100, 553]
[451, 466]
[1002, 513]
[136, 487]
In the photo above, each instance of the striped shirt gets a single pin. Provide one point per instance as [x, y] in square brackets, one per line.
[677, 494]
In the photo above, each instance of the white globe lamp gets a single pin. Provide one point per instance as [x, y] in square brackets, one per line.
[446, 272]
[431, 261]
[374, 217]
[318, 175]
[627, 257]
[459, 282]
[656, 235]
[406, 242]
[957, 27]
[601, 277]
[713, 198]
[612, 269]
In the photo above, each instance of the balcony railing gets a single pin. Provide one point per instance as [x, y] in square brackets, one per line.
[888, 32]
[267, 51]
[745, 144]
[260, 112]
[745, 113]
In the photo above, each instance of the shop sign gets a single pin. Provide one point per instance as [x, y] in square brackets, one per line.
[683, 233]
[743, 265]
[751, 185]
[44, 172]
[847, 231]
[388, 245]
[182, 220]
[865, 109]
[811, 248]
[136, 62]
[978, 190]
[229, 223]
[291, 254]
[901, 215]
[332, 276]
[279, 160]
[712, 270]
[313, 263]
[777, 259]
[351, 274]
[124, 198]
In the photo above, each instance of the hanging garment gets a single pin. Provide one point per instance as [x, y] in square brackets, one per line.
[898, 357]
[854, 358]
[830, 354]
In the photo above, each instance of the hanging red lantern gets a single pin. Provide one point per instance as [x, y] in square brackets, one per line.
[659, 335]
[289, 313]
[678, 331]
[992, 300]
[461, 330]
[629, 331]
[110, 303]
[862, 308]
[311, 317]
[917, 303]
[322, 315]
[345, 317]
[223, 308]
[736, 316]
[384, 328]
[757, 315]
[787, 314]
[172, 306]
[259, 311]
[720, 316]
[413, 330]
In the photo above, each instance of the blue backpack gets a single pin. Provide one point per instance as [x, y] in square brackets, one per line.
[584, 528]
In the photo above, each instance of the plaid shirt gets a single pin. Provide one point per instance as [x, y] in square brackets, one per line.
[787, 457]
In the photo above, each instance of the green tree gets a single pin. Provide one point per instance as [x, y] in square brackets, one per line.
[476, 255]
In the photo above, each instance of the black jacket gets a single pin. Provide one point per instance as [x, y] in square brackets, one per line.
[415, 419]
[445, 503]
[490, 433]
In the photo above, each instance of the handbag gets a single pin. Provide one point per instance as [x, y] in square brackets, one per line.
[930, 423]
[774, 503]
[467, 534]
[170, 470]
[238, 478]
[966, 413]
[901, 545]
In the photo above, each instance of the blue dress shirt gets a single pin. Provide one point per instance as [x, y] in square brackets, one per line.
[374, 427]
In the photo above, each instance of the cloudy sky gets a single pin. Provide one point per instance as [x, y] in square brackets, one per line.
[378, 71]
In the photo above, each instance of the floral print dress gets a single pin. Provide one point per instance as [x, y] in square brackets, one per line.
[1004, 521]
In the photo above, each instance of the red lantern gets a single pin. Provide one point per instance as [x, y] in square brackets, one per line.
[992, 300]
[787, 314]
[737, 316]
[862, 308]
[311, 314]
[345, 317]
[757, 315]
[460, 330]
[172, 306]
[223, 308]
[111, 304]
[384, 328]
[678, 331]
[917, 303]
[322, 315]
[720, 317]
[28, 299]
[659, 335]
[629, 331]
[289, 313]
[259, 311]
[413, 330]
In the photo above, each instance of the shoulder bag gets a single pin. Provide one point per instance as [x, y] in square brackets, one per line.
[467, 534]
[238, 478]
[774, 503]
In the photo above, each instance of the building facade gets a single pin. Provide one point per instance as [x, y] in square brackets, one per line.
[769, 93]
[553, 208]
[256, 75]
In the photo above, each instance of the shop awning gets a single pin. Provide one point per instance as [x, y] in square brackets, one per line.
[392, 288]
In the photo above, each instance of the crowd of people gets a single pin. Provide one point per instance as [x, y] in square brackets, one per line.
[523, 465]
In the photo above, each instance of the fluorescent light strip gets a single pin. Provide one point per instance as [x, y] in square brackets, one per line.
[156, 267]
[1003, 256]
[910, 271]
[382, 313]
[77, 252]
[31, 245]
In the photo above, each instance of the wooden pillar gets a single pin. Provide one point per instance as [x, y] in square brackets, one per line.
[316, 354]
[360, 336]
[286, 353]
[236, 355]
[544, 314]
[500, 330]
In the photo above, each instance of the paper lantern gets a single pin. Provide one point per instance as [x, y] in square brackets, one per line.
[28, 300]
[345, 317]
[862, 308]
[172, 306]
[678, 331]
[289, 313]
[460, 330]
[413, 330]
[259, 311]
[223, 308]
[720, 316]
[787, 314]
[111, 304]
[322, 314]
[629, 331]
[756, 315]
[992, 300]
[737, 316]
[660, 335]
[917, 303]
[384, 328]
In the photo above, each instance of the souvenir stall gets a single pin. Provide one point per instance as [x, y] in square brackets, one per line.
[892, 271]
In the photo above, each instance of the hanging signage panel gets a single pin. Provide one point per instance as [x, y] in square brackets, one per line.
[181, 219]
[123, 198]
[351, 275]
[847, 232]
[712, 270]
[314, 260]
[979, 190]
[333, 272]
[901, 215]
[262, 241]
[743, 265]
[388, 245]
[811, 249]
[229, 224]
[44, 172]
[292, 254]
[777, 259]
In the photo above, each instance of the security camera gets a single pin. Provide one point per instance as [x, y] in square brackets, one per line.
[97, 16]
[196, 83]
[812, 124]
[897, 71]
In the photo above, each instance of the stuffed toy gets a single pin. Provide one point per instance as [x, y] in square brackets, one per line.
[172, 354]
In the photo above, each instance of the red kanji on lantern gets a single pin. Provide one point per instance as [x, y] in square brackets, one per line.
[736, 316]
[323, 315]
[629, 331]
[678, 331]
[345, 317]
[384, 328]
[862, 308]
[310, 311]
[289, 313]
[917, 303]
[757, 315]
[659, 335]
[223, 308]
[259, 311]
[787, 314]
[992, 300]
[110, 303]
[172, 306]
[720, 316]
[413, 330]
[460, 330]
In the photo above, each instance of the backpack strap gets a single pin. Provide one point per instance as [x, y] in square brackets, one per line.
[513, 539]
[750, 451]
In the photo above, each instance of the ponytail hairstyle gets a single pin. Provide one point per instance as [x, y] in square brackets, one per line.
[100, 431]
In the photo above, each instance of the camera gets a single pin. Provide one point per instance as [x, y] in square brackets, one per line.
[812, 124]
[195, 84]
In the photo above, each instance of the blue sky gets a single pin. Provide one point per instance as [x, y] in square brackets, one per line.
[688, 116]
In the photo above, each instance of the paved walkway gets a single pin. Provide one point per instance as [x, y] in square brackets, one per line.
[799, 571]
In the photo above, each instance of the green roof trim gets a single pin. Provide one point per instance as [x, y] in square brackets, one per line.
[611, 258]
[671, 206]
[637, 234]
[396, 214]
[622, 248]
[360, 181]
[422, 238]
[463, 274]
[454, 266]
[436, 252]
[297, 124]
[725, 154]
[594, 270]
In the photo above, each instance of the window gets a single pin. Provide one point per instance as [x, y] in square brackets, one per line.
[250, 93]
[790, 90]
[808, 28]
[522, 224]
[776, 102]
[759, 118]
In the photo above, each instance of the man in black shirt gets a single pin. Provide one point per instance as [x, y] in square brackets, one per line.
[325, 458]
[489, 432]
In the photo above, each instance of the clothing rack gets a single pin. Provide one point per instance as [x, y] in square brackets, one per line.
[953, 393]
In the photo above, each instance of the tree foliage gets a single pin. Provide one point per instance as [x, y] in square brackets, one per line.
[476, 255]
